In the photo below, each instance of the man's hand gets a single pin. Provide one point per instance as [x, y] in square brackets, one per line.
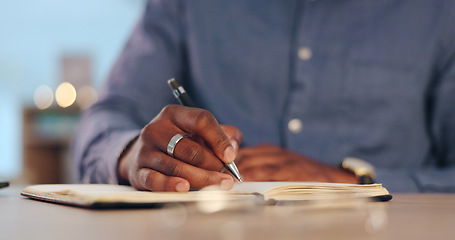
[272, 163]
[198, 159]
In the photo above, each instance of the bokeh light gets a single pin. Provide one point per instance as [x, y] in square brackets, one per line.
[211, 200]
[86, 97]
[43, 97]
[65, 95]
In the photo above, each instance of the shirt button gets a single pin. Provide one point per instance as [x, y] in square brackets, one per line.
[295, 125]
[305, 53]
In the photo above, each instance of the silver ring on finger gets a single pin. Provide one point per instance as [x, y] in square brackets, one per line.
[173, 142]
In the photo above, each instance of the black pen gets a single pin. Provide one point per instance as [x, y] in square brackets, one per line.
[185, 100]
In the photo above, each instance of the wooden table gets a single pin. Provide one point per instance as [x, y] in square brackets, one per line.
[406, 216]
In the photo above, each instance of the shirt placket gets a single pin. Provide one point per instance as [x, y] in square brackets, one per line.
[301, 54]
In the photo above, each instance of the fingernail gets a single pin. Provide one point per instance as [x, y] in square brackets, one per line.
[235, 145]
[226, 184]
[181, 187]
[229, 154]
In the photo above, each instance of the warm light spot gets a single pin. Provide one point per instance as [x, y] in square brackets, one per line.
[86, 96]
[65, 95]
[211, 199]
[174, 215]
[43, 97]
[377, 218]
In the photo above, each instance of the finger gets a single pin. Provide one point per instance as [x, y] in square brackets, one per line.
[232, 133]
[187, 149]
[258, 161]
[202, 123]
[194, 154]
[262, 173]
[158, 182]
[197, 177]
[262, 149]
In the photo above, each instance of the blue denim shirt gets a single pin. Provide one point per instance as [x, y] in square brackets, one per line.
[327, 78]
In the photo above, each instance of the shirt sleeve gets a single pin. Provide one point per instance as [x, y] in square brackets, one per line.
[135, 91]
[437, 174]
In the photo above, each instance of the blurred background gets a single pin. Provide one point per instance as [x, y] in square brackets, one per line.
[54, 56]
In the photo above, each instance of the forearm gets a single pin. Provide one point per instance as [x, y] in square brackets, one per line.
[422, 180]
[436, 180]
[101, 138]
[135, 92]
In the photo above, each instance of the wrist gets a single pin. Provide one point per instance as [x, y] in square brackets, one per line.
[342, 176]
[124, 162]
[362, 170]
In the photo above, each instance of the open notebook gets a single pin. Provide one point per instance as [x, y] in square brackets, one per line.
[115, 196]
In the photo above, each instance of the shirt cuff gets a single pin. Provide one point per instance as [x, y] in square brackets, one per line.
[436, 180]
[117, 142]
[396, 180]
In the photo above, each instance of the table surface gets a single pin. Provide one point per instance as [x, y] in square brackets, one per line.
[406, 216]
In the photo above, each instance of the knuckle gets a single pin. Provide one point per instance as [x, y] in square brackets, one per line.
[209, 179]
[165, 113]
[147, 133]
[168, 109]
[155, 157]
[203, 119]
[195, 156]
[158, 161]
[151, 134]
[173, 169]
[222, 143]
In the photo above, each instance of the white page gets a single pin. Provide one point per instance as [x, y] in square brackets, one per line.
[261, 187]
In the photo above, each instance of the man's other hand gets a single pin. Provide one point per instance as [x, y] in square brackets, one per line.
[272, 163]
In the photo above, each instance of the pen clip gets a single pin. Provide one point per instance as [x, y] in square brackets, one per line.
[176, 93]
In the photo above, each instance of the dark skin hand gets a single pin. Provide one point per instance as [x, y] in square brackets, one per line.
[272, 163]
[198, 160]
